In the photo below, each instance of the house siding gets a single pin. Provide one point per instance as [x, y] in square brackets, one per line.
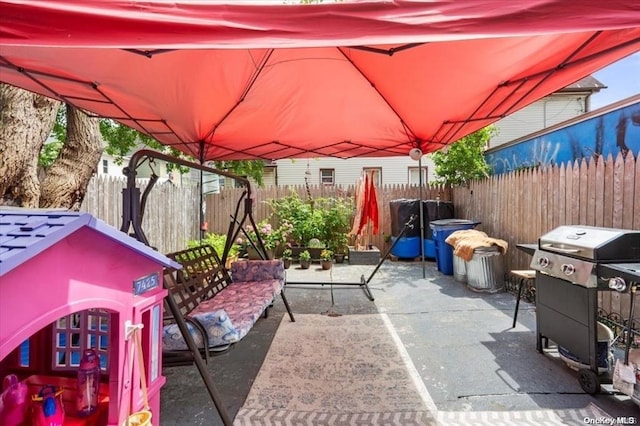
[395, 170]
[548, 111]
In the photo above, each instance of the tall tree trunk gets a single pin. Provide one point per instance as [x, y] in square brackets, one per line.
[26, 120]
[66, 181]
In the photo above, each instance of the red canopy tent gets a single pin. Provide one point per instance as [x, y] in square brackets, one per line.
[248, 81]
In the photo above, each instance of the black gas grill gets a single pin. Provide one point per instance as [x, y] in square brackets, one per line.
[572, 264]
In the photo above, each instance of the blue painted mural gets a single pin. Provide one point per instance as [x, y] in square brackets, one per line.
[609, 133]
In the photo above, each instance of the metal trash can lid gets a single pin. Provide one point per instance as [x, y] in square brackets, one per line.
[452, 222]
[487, 250]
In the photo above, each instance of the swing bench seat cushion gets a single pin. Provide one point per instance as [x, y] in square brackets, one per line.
[231, 313]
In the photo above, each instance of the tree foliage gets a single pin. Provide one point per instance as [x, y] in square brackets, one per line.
[122, 140]
[464, 160]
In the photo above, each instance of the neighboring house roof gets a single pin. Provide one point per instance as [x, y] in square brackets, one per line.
[587, 84]
[26, 233]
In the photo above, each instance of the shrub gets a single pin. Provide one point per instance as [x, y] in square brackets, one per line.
[304, 220]
[217, 241]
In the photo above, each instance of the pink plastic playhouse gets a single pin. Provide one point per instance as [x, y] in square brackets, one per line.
[68, 283]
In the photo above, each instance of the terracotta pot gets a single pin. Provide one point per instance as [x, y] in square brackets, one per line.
[253, 253]
[326, 264]
[305, 264]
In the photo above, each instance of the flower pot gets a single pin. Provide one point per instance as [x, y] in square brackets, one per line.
[339, 257]
[287, 263]
[254, 255]
[305, 264]
[326, 264]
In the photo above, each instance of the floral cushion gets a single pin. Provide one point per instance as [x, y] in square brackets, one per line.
[229, 315]
[257, 270]
[243, 301]
[217, 324]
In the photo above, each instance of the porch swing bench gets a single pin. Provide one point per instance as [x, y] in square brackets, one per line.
[220, 306]
[210, 307]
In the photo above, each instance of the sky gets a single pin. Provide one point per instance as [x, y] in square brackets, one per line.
[622, 79]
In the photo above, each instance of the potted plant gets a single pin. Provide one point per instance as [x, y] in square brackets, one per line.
[315, 247]
[337, 216]
[305, 259]
[326, 257]
[272, 238]
[339, 245]
[287, 255]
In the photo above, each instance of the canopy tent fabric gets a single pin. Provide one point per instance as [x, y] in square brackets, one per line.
[263, 81]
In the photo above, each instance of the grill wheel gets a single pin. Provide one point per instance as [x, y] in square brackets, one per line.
[589, 381]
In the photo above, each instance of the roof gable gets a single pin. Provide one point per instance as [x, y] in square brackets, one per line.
[26, 233]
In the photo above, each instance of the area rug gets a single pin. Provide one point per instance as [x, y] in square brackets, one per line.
[337, 370]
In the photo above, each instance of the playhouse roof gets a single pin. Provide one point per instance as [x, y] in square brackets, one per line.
[26, 233]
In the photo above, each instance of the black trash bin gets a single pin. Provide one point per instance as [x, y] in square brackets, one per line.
[401, 212]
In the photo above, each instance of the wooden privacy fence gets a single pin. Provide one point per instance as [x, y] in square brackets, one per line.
[519, 207]
[171, 215]
[219, 207]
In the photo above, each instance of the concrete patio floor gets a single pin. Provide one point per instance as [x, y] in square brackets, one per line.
[460, 342]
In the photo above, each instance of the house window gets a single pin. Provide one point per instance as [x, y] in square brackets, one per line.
[414, 175]
[105, 166]
[327, 176]
[375, 173]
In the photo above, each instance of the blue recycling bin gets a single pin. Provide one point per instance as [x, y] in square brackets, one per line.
[429, 248]
[406, 248]
[441, 230]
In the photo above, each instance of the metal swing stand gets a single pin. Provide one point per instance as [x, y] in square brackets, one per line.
[133, 206]
[364, 282]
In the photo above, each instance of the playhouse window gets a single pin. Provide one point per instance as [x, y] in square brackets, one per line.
[74, 333]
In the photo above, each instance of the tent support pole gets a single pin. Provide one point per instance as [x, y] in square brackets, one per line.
[421, 181]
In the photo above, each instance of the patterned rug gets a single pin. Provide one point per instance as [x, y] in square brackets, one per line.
[354, 370]
[342, 370]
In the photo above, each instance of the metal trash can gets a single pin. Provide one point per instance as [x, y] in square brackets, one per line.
[485, 271]
[441, 230]
[459, 269]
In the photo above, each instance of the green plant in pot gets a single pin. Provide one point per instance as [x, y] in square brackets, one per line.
[305, 259]
[287, 256]
[337, 215]
[315, 247]
[339, 244]
[326, 257]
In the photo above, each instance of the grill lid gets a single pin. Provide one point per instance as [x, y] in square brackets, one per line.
[593, 243]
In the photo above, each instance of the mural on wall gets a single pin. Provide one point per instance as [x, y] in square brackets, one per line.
[609, 133]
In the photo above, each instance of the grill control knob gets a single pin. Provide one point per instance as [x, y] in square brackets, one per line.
[617, 284]
[568, 269]
[544, 262]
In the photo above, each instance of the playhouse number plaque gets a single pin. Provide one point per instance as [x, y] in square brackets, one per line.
[144, 284]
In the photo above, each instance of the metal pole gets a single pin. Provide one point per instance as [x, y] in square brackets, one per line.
[421, 217]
